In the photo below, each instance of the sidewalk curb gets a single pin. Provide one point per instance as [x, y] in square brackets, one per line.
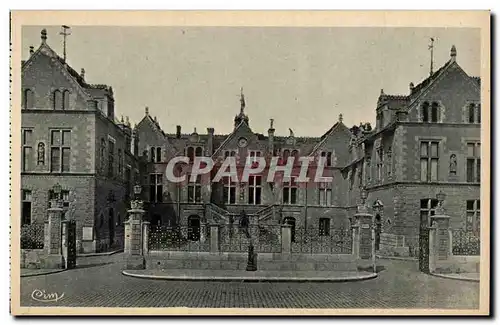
[454, 277]
[397, 258]
[100, 254]
[43, 273]
[248, 278]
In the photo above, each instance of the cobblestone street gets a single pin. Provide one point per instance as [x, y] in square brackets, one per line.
[97, 281]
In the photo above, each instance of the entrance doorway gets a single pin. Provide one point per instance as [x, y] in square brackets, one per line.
[194, 228]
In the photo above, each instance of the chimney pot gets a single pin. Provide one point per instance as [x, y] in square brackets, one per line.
[178, 133]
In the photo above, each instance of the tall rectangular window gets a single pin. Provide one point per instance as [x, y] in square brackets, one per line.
[254, 189]
[427, 208]
[429, 161]
[27, 152]
[473, 222]
[325, 195]
[155, 188]
[229, 190]
[389, 162]
[60, 150]
[26, 207]
[111, 157]
[324, 226]
[194, 190]
[473, 162]
[380, 163]
[120, 163]
[290, 192]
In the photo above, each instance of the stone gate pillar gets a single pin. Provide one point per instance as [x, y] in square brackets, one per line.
[53, 238]
[439, 240]
[364, 222]
[133, 246]
[286, 239]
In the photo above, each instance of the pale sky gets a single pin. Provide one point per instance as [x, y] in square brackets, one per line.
[302, 77]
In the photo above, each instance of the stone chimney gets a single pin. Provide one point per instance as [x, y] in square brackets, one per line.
[270, 134]
[210, 142]
[82, 73]
[178, 133]
[43, 36]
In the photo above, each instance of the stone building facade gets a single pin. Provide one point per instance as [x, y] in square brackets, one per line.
[422, 143]
[71, 137]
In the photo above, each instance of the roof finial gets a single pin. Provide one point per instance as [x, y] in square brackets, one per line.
[195, 130]
[82, 73]
[127, 120]
[453, 52]
[242, 101]
[382, 91]
[32, 50]
[147, 110]
[411, 86]
[121, 119]
[156, 121]
[271, 125]
[341, 118]
[43, 36]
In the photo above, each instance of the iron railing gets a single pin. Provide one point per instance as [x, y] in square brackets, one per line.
[465, 242]
[321, 241]
[180, 238]
[32, 236]
[264, 238]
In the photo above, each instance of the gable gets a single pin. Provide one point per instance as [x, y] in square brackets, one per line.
[149, 134]
[43, 73]
[453, 90]
[241, 131]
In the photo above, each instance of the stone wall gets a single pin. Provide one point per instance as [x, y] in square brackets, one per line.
[33, 258]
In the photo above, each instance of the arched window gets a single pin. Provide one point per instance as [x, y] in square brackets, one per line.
[295, 155]
[28, 98]
[190, 153]
[329, 159]
[194, 228]
[286, 154]
[199, 151]
[435, 112]
[57, 100]
[471, 113]
[425, 112]
[65, 102]
[158, 154]
[152, 154]
[41, 154]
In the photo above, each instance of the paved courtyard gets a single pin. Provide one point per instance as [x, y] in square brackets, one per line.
[98, 282]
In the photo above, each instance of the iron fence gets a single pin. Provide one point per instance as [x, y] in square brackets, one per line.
[465, 242]
[180, 238]
[32, 236]
[319, 241]
[264, 238]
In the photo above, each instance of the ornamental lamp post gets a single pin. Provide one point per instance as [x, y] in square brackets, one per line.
[57, 189]
[441, 196]
[137, 190]
[364, 195]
